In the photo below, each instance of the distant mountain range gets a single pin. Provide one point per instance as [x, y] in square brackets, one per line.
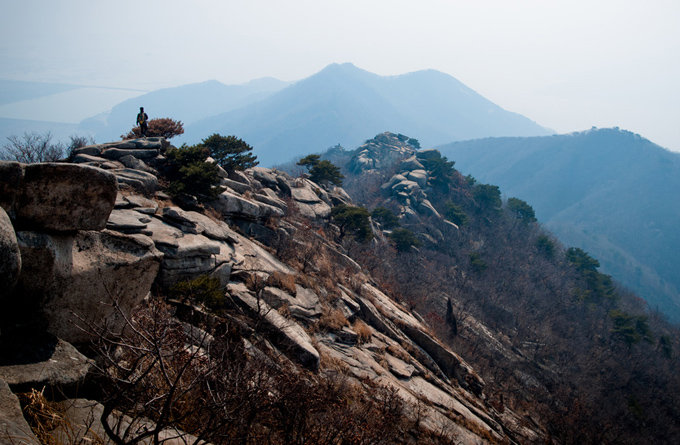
[187, 103]
[342, 104]
[608, 191]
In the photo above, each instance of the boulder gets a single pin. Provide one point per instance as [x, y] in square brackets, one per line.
[61, 368]
[119, 153]
[64, 197]
[287, 335]
[11, 177]
[305, 304]
[410, 164]
[13, 426]
[75, 278]
[198, 223]
[305, 194]
[127, 221]
[233, 205]
[90, 150]
[268, 196]
[185, 255]
[265, 176]
[142, 182]
[134, 163]
[419, 176]
[10, 256]
[238, 187]
[139, 204]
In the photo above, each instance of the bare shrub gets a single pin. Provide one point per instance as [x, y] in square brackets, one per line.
[32, 148]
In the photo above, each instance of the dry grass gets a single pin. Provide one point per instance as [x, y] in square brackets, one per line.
[399, 352]
[284, 310]
[332, 319]
[282, 281]
[363, 331]
[45, 417]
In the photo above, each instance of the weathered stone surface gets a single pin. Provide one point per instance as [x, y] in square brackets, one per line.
[135, 163]
[238, 187]
[13, 426]
[288, 335]
[11, 177]
[64, 197]
[264, 175]
[186, 255]
[305, 194]
[84, 426]
[249, 255]
[141, 181]
[91, 150]
[426, 208]
[304, 304]
[118, 153]
[82, 158]
[138, 203]
[83, 274]
[268, 196]
[10, 256]
[319, 210]
[63, 367]
[410, 164]
[95, 161]
[127, 221]
[419, 176]
[240, 176]
[230, 204]
[399, 368]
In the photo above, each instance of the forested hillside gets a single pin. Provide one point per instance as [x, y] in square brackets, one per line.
[551, 334]
[608, 191]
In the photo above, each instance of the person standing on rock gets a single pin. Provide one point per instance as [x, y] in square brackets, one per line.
[142, 119]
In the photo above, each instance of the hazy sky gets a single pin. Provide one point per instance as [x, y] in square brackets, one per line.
[568, 65]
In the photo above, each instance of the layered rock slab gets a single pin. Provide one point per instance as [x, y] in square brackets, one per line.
[86, 277]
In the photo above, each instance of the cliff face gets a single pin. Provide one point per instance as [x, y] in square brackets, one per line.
[89, 247]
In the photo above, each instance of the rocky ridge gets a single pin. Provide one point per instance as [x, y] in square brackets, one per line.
[88, 242]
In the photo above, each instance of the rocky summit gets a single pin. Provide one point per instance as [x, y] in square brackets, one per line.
[134, 314]
[89, 243]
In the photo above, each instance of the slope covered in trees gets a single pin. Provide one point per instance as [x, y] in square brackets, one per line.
[608, 191]
[553, 336]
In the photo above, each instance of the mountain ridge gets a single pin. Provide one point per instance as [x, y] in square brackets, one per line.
[609, 191]
[342, 101]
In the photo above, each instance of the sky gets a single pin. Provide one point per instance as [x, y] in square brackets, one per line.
[568, 65]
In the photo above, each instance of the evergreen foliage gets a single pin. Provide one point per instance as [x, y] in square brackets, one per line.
[439, 168]
[385, 217]
[230, 152]
[546, 246]
[353, 220]
[487, 196]
[404, 239]
[477, 263]
[598, 286]
[455, 214]
[321, 171]
[630, 328]
[190, 174]
[521, 210]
